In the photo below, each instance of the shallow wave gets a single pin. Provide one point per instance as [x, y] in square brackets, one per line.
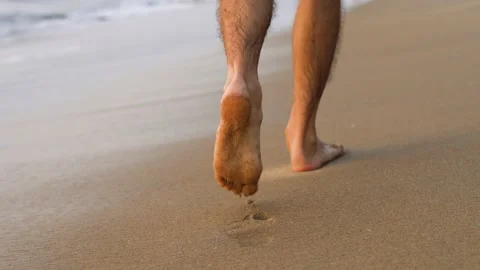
[19, 20]
[17, 23]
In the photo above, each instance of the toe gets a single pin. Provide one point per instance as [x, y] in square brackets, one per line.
[249, 190]
[332, 149]
[338, 146]
[237, 187]
[223, 182]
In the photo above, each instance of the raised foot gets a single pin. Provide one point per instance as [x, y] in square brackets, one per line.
[237, 161]
[323, 155]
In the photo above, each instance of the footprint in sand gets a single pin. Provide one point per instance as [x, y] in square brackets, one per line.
[251, 230]
[256, 217]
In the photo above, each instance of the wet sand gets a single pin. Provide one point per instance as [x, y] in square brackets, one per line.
[403, 100]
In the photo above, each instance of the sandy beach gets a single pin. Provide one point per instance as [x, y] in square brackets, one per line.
[403, 100]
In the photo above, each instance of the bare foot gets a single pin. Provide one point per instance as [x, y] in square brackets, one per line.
[237, 160]
[323, 154]
[307, 152]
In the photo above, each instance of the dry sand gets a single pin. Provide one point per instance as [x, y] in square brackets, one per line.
[403, 100]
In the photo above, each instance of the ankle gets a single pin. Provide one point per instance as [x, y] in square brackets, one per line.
[244, 84]
[249, 88]
[301, 137]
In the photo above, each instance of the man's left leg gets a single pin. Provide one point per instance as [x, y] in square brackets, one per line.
[315, 36]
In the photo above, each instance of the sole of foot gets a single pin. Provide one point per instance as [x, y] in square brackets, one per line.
[237, 161]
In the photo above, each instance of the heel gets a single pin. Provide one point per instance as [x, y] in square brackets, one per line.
[235, 111]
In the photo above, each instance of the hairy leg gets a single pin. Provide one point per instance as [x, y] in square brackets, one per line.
[315, 36]
[237, 159]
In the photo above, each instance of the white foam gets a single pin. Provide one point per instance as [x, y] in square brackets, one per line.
[20, 18]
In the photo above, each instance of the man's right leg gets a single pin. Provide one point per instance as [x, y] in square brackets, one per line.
[315, 36]
[237, 160]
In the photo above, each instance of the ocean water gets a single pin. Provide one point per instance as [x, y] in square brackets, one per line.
[19, 17]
